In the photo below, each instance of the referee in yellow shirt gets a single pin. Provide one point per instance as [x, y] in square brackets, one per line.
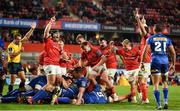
[14, 58]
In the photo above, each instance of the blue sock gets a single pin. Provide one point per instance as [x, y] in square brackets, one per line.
[157, 97]
[12, 93]
[29, 93]
[41, 94]
[63, 100]
[165, 93]
[9, 99]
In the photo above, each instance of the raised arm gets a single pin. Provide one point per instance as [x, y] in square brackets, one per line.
[140, 23]
[147, 47]
[101, 62]
[29, 33]
[48, 27]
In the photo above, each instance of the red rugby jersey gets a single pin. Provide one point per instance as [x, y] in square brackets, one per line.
[110, 57]
[52, 50]
[142, 46]
[92, 57]
[130, 58]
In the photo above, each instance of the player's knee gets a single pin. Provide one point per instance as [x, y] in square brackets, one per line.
[164, 79]
[156, 86]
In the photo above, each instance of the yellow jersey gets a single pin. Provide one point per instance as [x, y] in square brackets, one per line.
[14, 48]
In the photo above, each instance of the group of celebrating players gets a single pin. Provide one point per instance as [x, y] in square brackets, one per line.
[89, 80]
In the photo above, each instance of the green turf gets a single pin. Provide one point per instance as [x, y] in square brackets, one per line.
[174, 103]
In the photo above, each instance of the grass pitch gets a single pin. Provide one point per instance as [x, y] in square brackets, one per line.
[174, 103]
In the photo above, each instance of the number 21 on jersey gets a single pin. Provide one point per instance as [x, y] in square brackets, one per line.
[160, 46]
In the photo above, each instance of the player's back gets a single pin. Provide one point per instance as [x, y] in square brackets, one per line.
[95, 97]
[40, 80]
[70, 92]
[73, 90]
[159, 44]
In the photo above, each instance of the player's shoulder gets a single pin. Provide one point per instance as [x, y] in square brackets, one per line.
[83, 79]
[48, 40]
[136, 48]
[166, 36]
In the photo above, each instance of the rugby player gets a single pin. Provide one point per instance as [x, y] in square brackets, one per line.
[159, 44]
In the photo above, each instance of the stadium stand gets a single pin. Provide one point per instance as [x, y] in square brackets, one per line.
[102, 11]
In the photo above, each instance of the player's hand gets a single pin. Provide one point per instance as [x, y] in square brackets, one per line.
[78, 102]
[136, 13]
[143, 20]
[73, 101]
[172, 67]
[33, 25]
[53, 19]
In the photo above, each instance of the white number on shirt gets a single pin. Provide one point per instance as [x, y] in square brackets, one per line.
[158, 46]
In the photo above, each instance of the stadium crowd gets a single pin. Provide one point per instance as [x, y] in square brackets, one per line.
[89, 80]
[101, 11]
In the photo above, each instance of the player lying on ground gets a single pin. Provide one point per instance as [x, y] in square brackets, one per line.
[79, 91]
[44, 95]
[32, 88]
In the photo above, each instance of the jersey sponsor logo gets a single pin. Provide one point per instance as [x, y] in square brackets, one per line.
[160, 39]
[130, 58]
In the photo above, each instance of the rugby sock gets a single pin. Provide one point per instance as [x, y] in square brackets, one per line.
[133, 92]
[12, 93]
[165, 93]
[2, 82]
[144, 91]
[9, 99]
[64, 100]
[157, 97]
[10, 88]
[41, 94]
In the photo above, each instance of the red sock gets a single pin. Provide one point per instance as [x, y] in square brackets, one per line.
[133, 92]
[144, 91]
